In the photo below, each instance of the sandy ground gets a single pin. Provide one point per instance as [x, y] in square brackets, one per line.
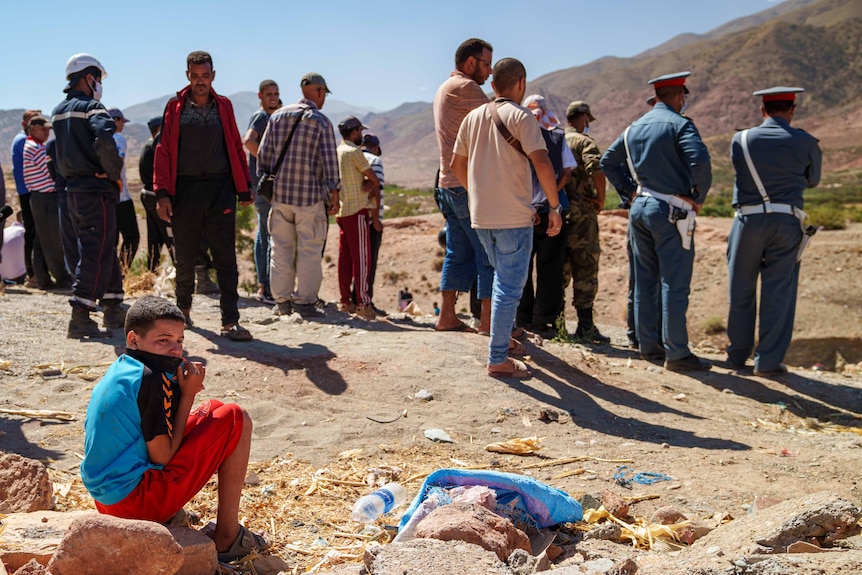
[315, 387]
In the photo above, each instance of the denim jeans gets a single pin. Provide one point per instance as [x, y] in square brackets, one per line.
[662, 273]
[261, 242]
[509, 253]
[465, 257]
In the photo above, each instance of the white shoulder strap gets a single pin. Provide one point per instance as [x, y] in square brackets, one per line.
[629, 157]
[767, 204]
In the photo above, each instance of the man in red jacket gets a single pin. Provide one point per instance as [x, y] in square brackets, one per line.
[200, 171]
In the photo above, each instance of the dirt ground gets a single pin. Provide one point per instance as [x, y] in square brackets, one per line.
[318, 387]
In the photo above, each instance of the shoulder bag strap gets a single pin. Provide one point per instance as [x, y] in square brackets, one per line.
[767, 204]
[287, 141]
[504, 131]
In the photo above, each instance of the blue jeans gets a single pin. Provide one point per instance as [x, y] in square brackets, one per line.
[261, 242]
[509, 253]
[762, 245]
[662, 269]
[465, 257]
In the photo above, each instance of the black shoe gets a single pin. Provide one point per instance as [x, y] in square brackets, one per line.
[114, 315]
[282, 308]
[655, 356]
[378, 312]
[204, 285]
[591, 334]
[689, 363]
[778, 371]
[81, 326]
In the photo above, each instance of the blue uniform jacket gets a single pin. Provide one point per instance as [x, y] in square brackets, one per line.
[85, 144]
[786, 159]
[668, 155]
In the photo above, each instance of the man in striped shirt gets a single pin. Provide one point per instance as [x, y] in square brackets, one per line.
[43, 202]
[306, 191]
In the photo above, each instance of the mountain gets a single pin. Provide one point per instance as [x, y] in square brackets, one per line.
[814, 44]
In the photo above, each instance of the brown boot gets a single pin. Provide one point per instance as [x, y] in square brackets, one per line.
[81, 326]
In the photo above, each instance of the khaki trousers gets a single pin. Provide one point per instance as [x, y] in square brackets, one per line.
[297, 239]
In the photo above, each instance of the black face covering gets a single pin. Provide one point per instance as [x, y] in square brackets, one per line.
[161, 363]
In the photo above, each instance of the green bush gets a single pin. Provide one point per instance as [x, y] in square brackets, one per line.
[829, 216]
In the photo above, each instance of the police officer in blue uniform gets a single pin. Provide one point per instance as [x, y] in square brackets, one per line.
[774, 163]
[668, 177]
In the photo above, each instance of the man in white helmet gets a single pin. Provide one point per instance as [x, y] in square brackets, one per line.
[87, 156]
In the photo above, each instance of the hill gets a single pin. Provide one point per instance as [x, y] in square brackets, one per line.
[817, 45]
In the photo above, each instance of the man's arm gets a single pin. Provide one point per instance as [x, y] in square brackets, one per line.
[327, 148]
[250, 141]
[162, 184]
[600, 184]
[103, 127]
[813, 171]
[459, 168]
[545, 172]
[615, 168]
[697, 157]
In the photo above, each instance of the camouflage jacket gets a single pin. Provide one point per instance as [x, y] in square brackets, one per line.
[587, 155]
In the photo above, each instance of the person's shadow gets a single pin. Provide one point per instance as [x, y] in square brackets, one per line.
[13, 440]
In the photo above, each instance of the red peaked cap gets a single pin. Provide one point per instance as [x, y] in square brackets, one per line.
[779, 94]
[675, 79]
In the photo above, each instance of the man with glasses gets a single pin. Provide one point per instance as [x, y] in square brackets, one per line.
[465, 256]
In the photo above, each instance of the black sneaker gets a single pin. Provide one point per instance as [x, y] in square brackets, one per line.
[282, 308]
[591, 334]
[780, 370]
[689, 363]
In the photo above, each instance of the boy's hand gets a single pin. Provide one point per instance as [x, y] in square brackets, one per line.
[191, 377]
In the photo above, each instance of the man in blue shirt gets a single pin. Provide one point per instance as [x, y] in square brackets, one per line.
[661, 163]
[774, 163]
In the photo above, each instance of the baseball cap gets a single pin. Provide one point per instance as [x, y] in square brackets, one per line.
[154, 122]
[350, 123]
[537, 99]
[314, 79]
[370, 139]
[117, 113]
[39, 120]
[579, 107]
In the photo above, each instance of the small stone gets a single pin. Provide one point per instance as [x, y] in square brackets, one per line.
[674, 486]
[424, 395]
[715, 550]
[667, 515]
[665, 446]
[438, 435]
[728, 391]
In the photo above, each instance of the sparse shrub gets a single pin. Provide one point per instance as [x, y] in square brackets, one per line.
[393, 277]
[438, 264]
[830, 216]
[714, 325]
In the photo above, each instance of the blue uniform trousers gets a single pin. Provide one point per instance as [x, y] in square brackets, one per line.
[97, 274]
[662, 270]
[764, 245]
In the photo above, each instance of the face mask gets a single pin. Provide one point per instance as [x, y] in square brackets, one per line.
[97, 90]
[586, 129]
[682, 110]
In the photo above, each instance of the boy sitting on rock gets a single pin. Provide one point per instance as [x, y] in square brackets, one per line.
[146, 451]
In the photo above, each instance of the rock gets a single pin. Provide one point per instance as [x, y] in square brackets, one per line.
[24, 484]
[199, 551]
[667, 515]
[823, 516]
[269, 565]
[31, 567]
[473, 524]
[615, 504]
[522, 563]
[347, 569]
[589, 501]
[423, 556]
[34, 536]
[127, 546]
[761, 503]
[607, 531]
[601, 549]
[600, 567]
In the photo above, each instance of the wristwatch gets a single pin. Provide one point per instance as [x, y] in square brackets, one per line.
[558, 209]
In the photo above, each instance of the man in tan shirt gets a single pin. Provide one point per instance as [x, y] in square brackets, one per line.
[465, 257]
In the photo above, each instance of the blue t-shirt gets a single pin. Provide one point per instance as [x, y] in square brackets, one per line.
[258, 124]
[129, 406]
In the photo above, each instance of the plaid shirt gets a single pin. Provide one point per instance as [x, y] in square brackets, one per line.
[352, 163]
[310, 168]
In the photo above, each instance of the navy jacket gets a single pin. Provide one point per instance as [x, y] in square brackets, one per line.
[85, 144]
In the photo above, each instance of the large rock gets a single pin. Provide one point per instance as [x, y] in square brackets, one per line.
[31, 567]
[199, 551]
[34, 536]
[473, 524]
[24, 485]
[99, 542]
[423, 556]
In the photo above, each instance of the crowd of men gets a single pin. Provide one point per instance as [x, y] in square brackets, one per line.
[520, 194]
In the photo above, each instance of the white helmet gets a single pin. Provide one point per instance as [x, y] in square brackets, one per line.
[80, 62]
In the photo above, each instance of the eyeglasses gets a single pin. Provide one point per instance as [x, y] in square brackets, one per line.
[486, 62]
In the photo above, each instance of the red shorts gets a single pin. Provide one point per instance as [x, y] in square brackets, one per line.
[212, 433]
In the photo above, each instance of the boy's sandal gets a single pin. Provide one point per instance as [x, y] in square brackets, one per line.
[237, 333]
[184, 518]
[514, 368]
[246, 542]
[516, 347]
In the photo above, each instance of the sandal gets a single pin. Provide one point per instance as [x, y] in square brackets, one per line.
[516, 347]
[246, 541]
[510, 368]
[237, 333]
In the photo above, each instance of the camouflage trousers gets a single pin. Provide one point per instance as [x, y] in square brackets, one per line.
[582, 253]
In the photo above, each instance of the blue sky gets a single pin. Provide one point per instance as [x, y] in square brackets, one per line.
[372, 53]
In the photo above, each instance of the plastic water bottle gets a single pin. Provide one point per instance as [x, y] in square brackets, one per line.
[369, 507]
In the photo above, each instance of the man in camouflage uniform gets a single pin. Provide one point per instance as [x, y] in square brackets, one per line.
[586, 191]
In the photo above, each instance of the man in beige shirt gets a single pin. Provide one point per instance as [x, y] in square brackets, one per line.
[499, 181]
[464, 257]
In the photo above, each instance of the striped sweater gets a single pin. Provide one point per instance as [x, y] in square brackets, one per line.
[36, 174]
